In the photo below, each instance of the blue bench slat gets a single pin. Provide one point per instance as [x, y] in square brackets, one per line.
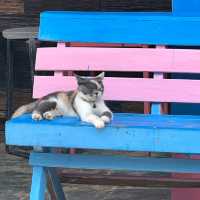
[115, 27]
[114, 162]
[131, 132]
[180, 6]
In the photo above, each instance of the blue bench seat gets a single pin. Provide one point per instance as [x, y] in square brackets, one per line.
[128, 132]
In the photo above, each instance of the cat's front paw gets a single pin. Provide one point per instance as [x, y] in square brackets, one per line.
[99, 124]
[105, 119]
[48, 115]
[36, 116]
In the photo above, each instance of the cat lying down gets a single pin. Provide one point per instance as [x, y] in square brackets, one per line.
[86, 102]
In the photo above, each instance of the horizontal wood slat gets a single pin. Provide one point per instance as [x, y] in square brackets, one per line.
[130, 89]
[126, 132]
[126, 179]
[124, 163]
[118, 59]
[154, 28]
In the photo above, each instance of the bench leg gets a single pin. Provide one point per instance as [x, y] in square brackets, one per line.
[38, 186]
[56, 185]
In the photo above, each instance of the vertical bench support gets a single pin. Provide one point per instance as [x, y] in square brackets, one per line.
[38, 186]
[56, 185]
[69, 73]
[46, 179]
[156, 107]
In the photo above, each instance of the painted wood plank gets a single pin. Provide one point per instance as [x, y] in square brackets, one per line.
[115, 27]
[190, 7]
[131, 89]
[38, 186]
[118, 59]
[76, 176]
[126, 120]
[114, 162]
[109, 59]
[156, 108]
[127, 132]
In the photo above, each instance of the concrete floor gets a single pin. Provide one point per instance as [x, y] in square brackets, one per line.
[15, 180]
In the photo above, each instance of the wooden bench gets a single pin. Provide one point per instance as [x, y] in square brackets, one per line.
[128, 131]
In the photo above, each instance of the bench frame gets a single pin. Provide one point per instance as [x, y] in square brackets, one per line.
[45, 163]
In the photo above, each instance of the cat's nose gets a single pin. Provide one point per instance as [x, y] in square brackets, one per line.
[96, 93]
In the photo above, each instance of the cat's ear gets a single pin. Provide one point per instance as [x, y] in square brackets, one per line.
[79, 79]
[100, 77]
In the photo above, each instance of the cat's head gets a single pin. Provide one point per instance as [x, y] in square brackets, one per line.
[90, 88]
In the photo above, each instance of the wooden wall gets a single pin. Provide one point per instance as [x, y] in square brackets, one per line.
[12, 6]
[36, 6]
[20, 13]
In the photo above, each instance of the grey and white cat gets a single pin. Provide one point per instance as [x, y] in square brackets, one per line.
[86, 102]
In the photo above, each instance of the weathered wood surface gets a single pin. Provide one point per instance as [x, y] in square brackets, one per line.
[128, 179]
[21, 96]
[104, 5]
[11, 7]
[15, 184]
[21, 62]
[136, 5]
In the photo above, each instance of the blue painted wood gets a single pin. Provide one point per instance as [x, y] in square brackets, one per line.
[113, 162]
[56, 185]
[155, 108]
[185, 6]
[115, 27]
[38, 183]
[131, 132]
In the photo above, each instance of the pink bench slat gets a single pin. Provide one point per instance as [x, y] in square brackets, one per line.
[91, 44]
[118, 59]
[130, 89]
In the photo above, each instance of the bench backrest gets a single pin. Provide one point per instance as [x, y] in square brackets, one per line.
[157, 60]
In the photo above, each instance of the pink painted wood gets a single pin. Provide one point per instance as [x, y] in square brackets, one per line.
[118, 59]
[131, 89]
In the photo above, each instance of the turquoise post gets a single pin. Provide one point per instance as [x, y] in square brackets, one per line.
[38, 186]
